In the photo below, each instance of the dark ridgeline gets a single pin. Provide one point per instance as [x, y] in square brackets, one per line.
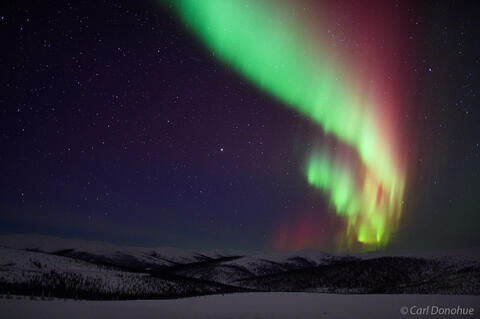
[70, 273]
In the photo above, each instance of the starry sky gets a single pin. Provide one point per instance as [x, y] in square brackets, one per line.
[118, 123]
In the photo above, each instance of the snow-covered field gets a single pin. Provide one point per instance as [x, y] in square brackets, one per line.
[241, 305]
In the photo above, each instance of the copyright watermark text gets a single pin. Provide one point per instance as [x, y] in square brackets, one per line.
[437, 310]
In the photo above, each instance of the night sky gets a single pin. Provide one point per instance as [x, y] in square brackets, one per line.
[118, 123]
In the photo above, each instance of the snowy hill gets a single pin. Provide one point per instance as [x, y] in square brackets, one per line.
[235, 269]
[45, 265]
[164, 256]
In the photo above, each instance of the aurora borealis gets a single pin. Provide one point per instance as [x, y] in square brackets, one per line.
[341, 126]
[275, 52]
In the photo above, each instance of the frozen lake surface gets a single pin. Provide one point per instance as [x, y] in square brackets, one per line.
[242, 305]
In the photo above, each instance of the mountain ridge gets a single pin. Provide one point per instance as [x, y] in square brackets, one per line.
[74, 268]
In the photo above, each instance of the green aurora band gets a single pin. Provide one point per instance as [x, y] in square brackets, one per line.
[273, 50]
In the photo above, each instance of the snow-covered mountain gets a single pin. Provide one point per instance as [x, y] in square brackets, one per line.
[232, 270]
[136, 258]
[163, 256]
[45, 274]
[46, 265]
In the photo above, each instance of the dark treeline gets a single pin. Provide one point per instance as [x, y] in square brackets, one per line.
[390, 275]
[41, 276]
[76, 286]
